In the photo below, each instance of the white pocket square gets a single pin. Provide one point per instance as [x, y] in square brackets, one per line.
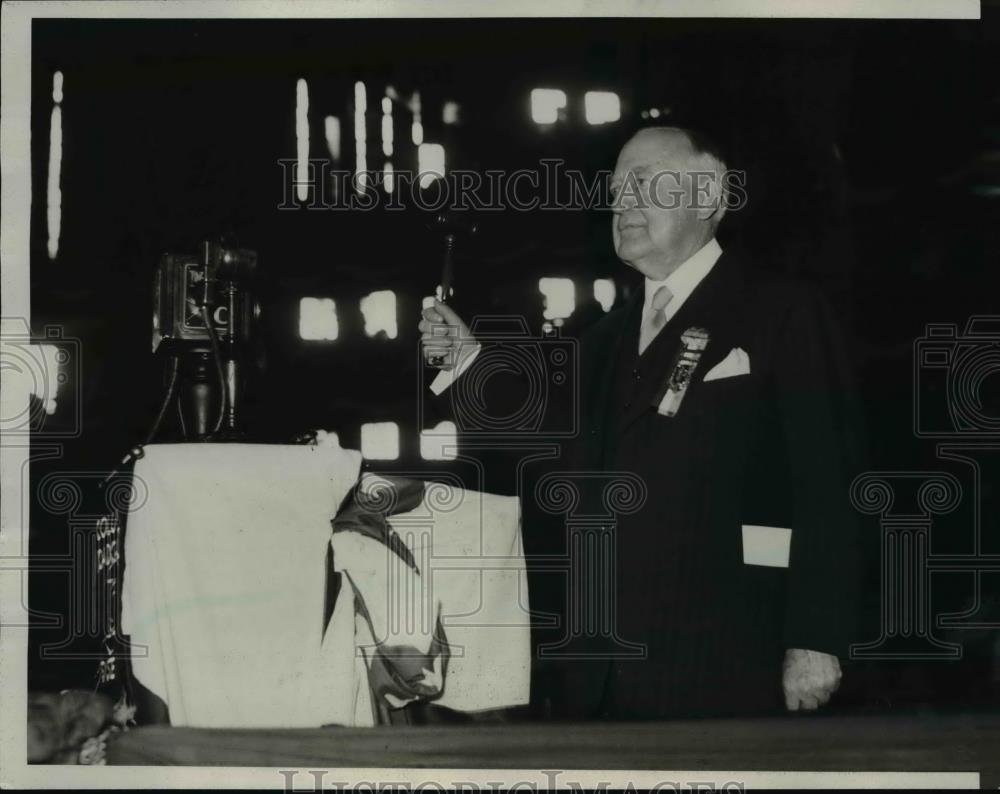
[736, 363]
[767, 546]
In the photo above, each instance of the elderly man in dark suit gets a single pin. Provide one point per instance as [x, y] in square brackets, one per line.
[726, 391]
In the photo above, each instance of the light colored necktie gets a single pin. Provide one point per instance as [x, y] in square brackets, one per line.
[655, 318]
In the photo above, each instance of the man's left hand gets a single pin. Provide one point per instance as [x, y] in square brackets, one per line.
[809, 678]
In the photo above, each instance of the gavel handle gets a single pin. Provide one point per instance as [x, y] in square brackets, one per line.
[446, 276]
[448, 268]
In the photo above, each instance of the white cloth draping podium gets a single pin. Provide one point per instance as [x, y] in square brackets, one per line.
[225, 580]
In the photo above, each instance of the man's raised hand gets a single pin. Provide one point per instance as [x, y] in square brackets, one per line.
[442, 333]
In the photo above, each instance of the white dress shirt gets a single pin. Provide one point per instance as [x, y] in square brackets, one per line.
[683, 280]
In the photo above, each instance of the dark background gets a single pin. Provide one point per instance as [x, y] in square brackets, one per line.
[871, 150]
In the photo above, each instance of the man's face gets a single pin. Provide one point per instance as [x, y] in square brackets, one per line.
[655, 226]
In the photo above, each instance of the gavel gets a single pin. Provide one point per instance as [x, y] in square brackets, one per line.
[451, 225]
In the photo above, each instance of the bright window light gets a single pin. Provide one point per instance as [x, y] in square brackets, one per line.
[331, 127]
[362, 171]
[53, 194]
[387, 136]
[379, 310]
[388, 181]
[44, 381]
[302, 139]
[601, 107]
[54, 191]
[430, 163]
[387, 126]
[360, 97]
[449, 113]
[560, 297]
[318, 319]
[360, 134]
[604, 293]
[546, 104]
[380, 440]
[439, 442]
[417, 129]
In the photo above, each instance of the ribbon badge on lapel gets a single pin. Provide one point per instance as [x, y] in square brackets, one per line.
[668, 399]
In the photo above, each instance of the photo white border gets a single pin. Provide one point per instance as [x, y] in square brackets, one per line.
[15, 183]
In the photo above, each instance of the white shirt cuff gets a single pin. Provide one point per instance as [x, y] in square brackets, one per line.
[466, 355]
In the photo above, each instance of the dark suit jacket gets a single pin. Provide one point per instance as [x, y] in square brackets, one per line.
[774, 448]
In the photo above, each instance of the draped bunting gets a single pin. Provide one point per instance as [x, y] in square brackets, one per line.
[225, 591]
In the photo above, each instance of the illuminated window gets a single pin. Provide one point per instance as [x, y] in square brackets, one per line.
[380, 440]
[302, 140]
[439, 442]
[387, 126]
[546, 104]
[560, 297]
[331, 126]
[360, 134]
[379, 310]
[388, 180]
[45, 384]
[604, 293]
[318, 319]
[601, 107]
[449, 113]
[430, 162]
[53, 195]
[417, 130]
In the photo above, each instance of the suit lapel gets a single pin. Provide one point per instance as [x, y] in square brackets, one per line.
[710, 306]
[609, 346]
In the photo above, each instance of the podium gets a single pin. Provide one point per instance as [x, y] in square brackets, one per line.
[225, 591]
